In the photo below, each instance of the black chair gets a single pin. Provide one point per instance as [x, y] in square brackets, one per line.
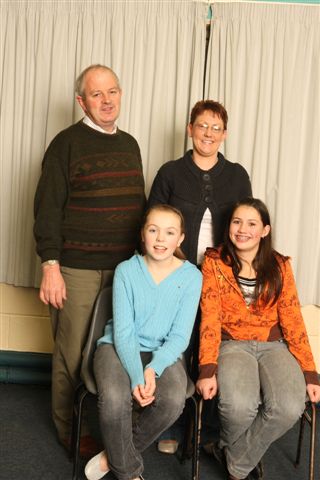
[192, 434]
[308, 415]
[101, 313]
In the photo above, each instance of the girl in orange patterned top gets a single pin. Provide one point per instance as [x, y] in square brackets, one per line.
[254, 347]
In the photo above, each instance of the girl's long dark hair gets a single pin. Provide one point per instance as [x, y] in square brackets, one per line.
[269, 279]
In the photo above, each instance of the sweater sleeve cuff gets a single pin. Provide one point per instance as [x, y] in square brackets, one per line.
[311, 377]
[50, 254]
[207, 371]
[135, 380]
[158, 369]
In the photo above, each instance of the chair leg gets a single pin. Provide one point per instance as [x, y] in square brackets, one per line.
[311, 419]
[192, 435]
[301, 432]
[80, 394]
[198, 404]
[312, 441]
[188, 430]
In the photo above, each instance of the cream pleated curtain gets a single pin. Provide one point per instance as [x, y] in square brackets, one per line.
[157, 49]
[264, 65]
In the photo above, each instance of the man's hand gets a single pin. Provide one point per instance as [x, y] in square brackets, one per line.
[207, 387]
[52, 288]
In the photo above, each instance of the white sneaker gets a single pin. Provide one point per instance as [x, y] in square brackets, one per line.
[92, 469]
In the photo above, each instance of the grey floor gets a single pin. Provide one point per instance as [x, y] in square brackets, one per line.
[29, 449]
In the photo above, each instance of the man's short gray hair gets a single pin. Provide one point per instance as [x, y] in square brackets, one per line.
[79, 85]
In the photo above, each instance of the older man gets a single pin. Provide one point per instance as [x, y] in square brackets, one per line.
[88, 207]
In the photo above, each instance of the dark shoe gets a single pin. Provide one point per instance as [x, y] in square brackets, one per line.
[256, 473]
[88, 446]
[215, 451]
[66, 443]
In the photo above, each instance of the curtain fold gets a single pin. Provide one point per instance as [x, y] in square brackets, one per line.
[264, 66]
[156, 48]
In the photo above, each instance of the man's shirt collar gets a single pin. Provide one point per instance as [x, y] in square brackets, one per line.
[91, 124]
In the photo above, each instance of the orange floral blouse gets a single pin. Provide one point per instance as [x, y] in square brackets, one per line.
[225, 315]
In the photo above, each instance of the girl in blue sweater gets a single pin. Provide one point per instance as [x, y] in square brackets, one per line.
[138, 360]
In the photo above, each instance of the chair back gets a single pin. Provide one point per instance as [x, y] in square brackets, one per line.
[190, 385]
[102, 311]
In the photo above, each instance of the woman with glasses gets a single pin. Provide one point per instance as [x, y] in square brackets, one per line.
[203, 185]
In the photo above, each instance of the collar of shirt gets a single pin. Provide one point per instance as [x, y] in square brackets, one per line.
[91, 124]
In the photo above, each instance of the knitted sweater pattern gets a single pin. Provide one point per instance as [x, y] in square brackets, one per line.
[151, 317]
[182, 184]
[225, 315]
[90, 198]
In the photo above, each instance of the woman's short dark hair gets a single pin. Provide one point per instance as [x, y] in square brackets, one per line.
[215, 107]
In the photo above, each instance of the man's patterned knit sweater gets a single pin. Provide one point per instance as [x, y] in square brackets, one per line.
[89, 199]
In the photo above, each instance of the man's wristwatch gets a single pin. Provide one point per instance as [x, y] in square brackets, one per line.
[50, 262]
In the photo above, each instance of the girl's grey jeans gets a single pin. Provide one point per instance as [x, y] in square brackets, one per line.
[124, 438]
[262, 394]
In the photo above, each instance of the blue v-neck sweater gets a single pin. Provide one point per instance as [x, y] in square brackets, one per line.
[150, 317]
